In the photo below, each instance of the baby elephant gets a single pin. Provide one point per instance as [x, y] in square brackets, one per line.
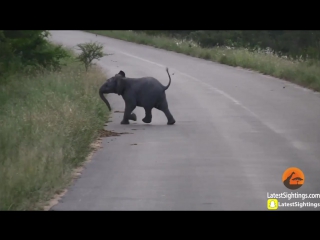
[146, 92]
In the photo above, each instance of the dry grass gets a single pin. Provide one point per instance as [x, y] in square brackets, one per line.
[304, 73]
[47, 125]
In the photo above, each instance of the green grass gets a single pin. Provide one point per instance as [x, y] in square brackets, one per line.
[47, 123]
[304, 73]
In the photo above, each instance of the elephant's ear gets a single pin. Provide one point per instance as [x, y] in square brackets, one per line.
[120, 85]
[122, 73]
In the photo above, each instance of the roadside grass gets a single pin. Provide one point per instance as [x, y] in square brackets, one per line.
[47, 123]
[305, 73]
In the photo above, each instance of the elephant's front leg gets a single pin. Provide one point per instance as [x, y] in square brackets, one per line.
[133, 117]
[148, 117]
[127, 113]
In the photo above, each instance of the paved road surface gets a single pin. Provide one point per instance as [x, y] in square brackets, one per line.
[236, 133]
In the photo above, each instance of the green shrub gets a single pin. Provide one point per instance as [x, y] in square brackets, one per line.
[28, 50]
[89, 52]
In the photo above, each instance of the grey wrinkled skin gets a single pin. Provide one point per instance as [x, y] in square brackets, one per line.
[146, 92]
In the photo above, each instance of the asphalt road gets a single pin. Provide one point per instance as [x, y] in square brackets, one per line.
[236, 132]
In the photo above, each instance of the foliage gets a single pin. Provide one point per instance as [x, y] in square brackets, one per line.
[28, 50]
[89, 52]
[49, 115]
[47, 123]
[294, 43]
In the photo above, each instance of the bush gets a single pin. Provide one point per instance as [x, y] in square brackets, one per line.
[29, 51]
[89, 52]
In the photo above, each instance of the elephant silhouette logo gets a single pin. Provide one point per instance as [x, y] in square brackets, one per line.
[293, 178]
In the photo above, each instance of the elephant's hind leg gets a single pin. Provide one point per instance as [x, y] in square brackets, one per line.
[148, 117]
[169, 116]
[163, 106]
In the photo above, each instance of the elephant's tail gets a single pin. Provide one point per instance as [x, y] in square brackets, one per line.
[165, 88]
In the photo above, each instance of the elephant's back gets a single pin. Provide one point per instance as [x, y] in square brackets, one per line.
[149, 92]
[150, 83]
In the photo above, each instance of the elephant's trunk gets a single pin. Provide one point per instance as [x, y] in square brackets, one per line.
[103, 98]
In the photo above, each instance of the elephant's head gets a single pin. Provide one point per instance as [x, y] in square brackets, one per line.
[112, 85]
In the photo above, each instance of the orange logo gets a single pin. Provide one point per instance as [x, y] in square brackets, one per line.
[293, 178]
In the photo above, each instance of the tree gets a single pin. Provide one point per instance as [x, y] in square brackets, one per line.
[29, 48]
[298, 179]
[89, 52]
